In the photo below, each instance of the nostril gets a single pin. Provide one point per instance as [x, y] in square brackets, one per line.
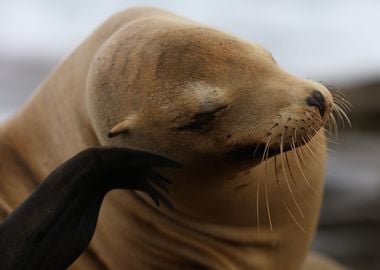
[316, 99]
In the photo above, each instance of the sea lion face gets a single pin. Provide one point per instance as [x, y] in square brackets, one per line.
[201, 96]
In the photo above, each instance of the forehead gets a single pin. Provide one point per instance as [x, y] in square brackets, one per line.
[198, 53]
[207, 55]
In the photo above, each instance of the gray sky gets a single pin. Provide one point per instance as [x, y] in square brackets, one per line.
[325, 39]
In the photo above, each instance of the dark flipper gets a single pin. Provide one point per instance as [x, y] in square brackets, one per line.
[56, 223]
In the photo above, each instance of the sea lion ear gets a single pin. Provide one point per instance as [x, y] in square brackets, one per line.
[122, 127]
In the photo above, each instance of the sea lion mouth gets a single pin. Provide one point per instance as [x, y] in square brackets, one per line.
[256, 151]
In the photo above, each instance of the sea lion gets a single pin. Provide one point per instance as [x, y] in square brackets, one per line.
[249, 136]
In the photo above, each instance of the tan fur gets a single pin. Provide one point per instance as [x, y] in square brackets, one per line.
[141, 77]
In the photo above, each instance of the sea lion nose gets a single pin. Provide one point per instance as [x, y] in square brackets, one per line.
[316, 99]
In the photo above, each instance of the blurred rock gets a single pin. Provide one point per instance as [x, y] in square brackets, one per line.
[349, 229]
[365, 99]
[18, 79]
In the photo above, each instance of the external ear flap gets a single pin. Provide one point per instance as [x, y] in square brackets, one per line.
[122, 127]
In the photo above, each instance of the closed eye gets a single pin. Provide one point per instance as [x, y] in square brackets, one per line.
[201, 120]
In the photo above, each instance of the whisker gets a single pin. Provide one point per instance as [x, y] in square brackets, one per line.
[331, 140]
[275, 169]
[268, 208]
[343, 113]
[257, 207]
[329, 124]
[292, 145]
[298, 163]
[283, 200]
[296, 147]
[301, 153]
[254, 152]
[290, 170]
[335, 125]
[266, 147]
[341, 105]
[344, 105]
[286, 177]
[311, 140]
[303, 149]
[294, 219]
[266, 161]
[312, 155]
[317, 144]
[338, 114]
[339, 95]
[266, 153]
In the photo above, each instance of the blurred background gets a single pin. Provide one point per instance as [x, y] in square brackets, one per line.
[333, 41]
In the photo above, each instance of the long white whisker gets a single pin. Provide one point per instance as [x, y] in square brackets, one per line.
[266, 147]
[268, 208]
[343, 113]
[294, 219]
[290, 170]
[335, 125]
[342, 104]
[338, 114]
[312, 156]
[286, 177]
[298, 163]
[283, 200]
[298, 150]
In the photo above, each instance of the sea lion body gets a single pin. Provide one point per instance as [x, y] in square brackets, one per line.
[149, 79]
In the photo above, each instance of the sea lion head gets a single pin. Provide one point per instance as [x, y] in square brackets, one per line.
[199, 96]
